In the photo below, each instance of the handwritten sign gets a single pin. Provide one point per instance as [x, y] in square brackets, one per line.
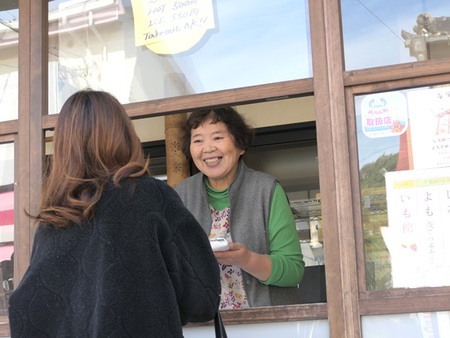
[171, 26]
[419, 227]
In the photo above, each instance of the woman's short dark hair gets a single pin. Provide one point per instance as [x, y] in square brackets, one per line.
[237, 126]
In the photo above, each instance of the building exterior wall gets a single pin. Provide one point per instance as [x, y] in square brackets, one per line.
[326, 90]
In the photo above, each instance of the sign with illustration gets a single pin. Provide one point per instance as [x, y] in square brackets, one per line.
[418, 203]
[429, 116]
[384, 115]
[171, 26]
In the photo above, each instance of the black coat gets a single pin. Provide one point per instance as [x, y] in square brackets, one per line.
[143, 267]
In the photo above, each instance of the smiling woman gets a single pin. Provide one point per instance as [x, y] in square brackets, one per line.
[264, 264]
[287, 152]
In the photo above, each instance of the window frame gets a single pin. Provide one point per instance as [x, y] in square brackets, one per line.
[333, 89]
[397, 300]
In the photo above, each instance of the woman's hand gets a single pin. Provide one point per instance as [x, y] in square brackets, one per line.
[259, 266]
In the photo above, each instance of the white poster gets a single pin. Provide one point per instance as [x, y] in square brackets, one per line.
[418, 235]
[429, 118]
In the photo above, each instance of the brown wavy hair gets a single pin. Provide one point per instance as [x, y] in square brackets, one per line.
[94, 143]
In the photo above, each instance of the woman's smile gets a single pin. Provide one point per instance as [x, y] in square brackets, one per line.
[213, 160]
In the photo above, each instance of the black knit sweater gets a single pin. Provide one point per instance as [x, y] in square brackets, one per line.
[143, 267]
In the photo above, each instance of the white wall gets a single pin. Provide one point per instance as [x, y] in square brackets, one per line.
[306, 329]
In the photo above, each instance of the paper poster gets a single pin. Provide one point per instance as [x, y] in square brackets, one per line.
[418, 235]
[429, 114]
[171, 26]
[384, 115]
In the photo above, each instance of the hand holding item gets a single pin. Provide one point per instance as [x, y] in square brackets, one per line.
[255, 264]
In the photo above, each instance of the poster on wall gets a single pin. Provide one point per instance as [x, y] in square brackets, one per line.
[171, 26]
[418, 203]
[429, 115]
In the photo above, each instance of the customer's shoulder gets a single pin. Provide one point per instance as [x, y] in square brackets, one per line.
[154, 183]
[141, 186]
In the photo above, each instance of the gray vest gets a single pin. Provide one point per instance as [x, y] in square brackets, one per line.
[250, 196]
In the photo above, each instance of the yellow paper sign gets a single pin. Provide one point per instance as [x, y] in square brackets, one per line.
[171, 26]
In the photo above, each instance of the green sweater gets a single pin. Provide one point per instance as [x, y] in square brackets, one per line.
[287, 263]
[255, 220]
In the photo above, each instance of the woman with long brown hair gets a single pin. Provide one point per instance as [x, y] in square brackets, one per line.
[116, 253]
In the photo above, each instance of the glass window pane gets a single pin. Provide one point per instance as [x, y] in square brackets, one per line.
[285, 146]
[6, 224]
[380, 33]
[179, 48]
[9, 61]
[404, 162]
[411, 325]
[294, 163]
